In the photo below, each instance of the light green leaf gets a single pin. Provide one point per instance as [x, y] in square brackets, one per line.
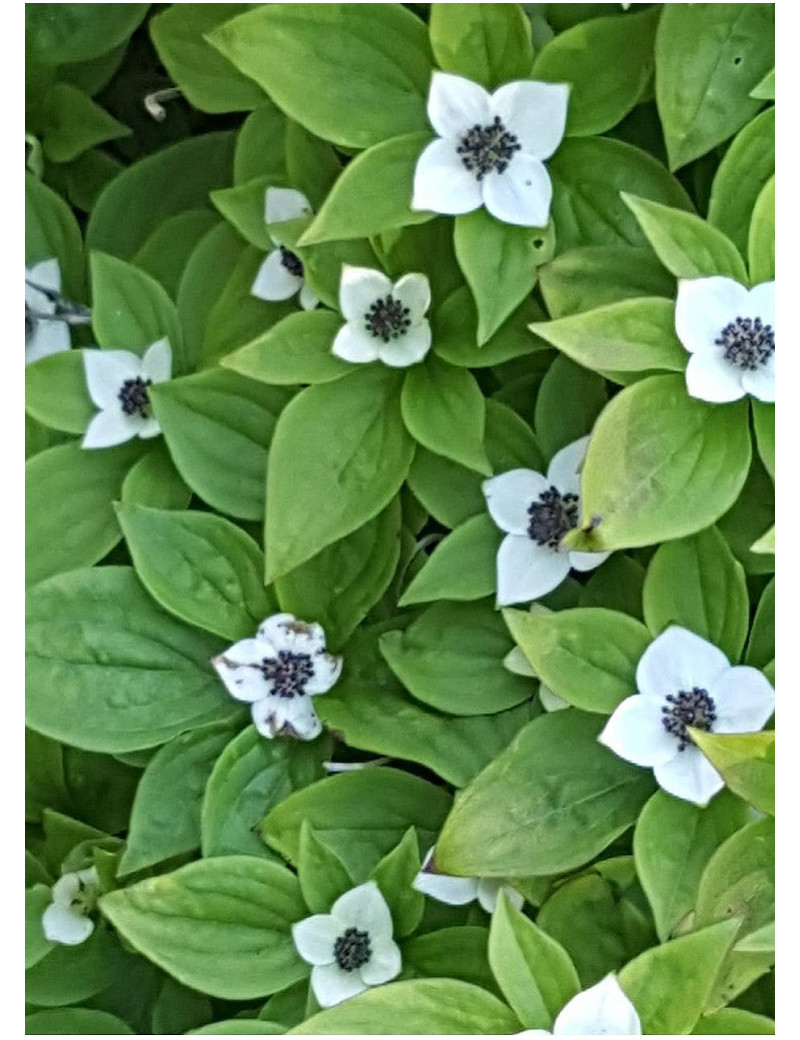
[261, 146]
[569, 400]
[764, 426]
[154, 481]
[322, 875]
[462, 567]
[166, 252]
[746, 762]
[761, 240]
[51, 230]
[394, 876]
[453, 324]
[761, 644]
[243, 206]
[746, 167]
[489, 44]
[463, 948]
[75, 123]
[765, 90]
[37, 899]
[734, 1021]
[295, 350]
[71, 974]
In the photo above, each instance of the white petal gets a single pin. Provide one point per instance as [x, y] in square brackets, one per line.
[489, 891]
[521, 194]
[157, 361]
[331, 984]
[359, 288]
[516, 662]
[442, 183]
[704, 307]
[149, 427]
[48, 337]
[565, 467]
[587, 561]
[66, 926]
[286, 632]
[65, 889]
[46, 273]
[244, 681]
[111, 427]
[509, 496]
[526, 570]
[678, 660]
[444, 888]
[385, 962]
[414, 292]
[364, 908]
[353, 343]
[273, 281]
[535, 112]
[285, 204]
[286, 717]
[743, 699]
[761, 383]
[551, 701]
[690, 776]
[408, 349]
[106, 371]
[308, 298]
[761, 303]
[455, 104]
[602, 1009]
[249, 651]
[709, 377]
[636, 733]
[314, 938]
[327, 670]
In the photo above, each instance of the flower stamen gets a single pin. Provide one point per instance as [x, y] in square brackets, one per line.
[387, 319]
[747, 342]
[688, 708]
[352, 949]
[486, 148]
[288, 672]
[292, 262]
[134, 397]
[552, 516]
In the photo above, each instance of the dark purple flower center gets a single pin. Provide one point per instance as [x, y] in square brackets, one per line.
[288, 672]
[552, 516]
[352, 949]
[486, 148]
[292, 263]
[747, 342]
[688, 708]
[387, 319]
[134, 397]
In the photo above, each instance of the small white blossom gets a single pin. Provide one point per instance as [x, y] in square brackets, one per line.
[601, 1010]
[66, 919]
[729, 331]
[490, 149]
[684, 680]
[385, 321]
[536, 512]
[281, 274]
[278, 673]
[460, 890]
[117, 381]
[43, 335]
[351, 948]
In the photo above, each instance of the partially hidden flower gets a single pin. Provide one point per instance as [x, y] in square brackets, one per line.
[385, 320]
[517, 663]
[281, 275]
[118, 383]
[458, 891]
[491, 149]
[351, 948]
[729, 331]
[685, 681]
[66, 920]
[536, 512]
[278, 672]
[45, 334]
[601, 1010]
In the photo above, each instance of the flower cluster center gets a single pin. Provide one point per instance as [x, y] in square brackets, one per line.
[292, 263]
[688, 708]
[134, 397]
[747, 342]
[387, 319]
[486, 148]
[552, 516]
[83, 902]
[352, 949]
[288, 672]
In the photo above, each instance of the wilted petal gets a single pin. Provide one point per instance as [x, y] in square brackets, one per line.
[364, 908]
[489, 890]
[285, 204]
[690, 776]
[743, 700]
[414, 291]
[406, 350]
[761, 383]
[157, 361]
[327, 670]
[526, 570]
[601, 1009]
[510, 495]
[515, 661]
[111, 427]
[314, 938]
[286, 717]
[442, 183]
[286, 632]
[106, 371]
[66, 926]
[385, 961]
[274, 281]
[551, 701]
[359, 288]
[704, 307]
[353, 343]
[678, 660]
[331, 984]
[535, 112]
[455, 104]
[521, 194]
[709, 377]
[564, 471]
[636, 733]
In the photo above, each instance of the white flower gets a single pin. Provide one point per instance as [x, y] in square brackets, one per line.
[490, 149]
[351, 948]
[117, 381]
[281, 274]
[66, 919]
[460, 890]
[729, 331]
[278, 673]
[685, 681]
[601, 1010]
[43, 335]
[536, 512]
[385, 321]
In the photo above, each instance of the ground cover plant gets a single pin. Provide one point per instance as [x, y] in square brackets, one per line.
[400, 474]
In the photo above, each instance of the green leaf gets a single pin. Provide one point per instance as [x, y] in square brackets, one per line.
[37, 899]
[765, 90]
[70, 974]
[74, 1022]
[749, 517]
[203, 280]
[295, 350]
[462, 566]
[587, 655]
[569, 400]
[764, 426]
[453, 324]
[746, 762]
[166, 252]
[74, 124]
[535, 972]
[489, 44]
[686, 245]
[765, 544]
[761, 240]
[734, 1021]
[51, 230]
[462, 948]
[261, 146]
[243, 206]
[218, 427]
[154, 481]
[312, 165]
[245, 1026]
[745, 168]
[355, 474]
[59, 33]
[761, 644]
[617, 585]
[208, 81]
[220, 925]
[708, 59]
[322, 875]
[128, 676]
[394, 876]
[698, 583]
[660, 465]
[290, 49]
[549, 803]
[608, 63]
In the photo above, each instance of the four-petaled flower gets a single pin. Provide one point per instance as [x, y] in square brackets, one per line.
[281, 275]
[601, 1010]
[446, 888]
[729, 331]
[490, 149]
[385, 321]
[44, 334]
[118, 383]
[685, 681]
[351, 948]
[66, 920]
[536, 512]
[278, 673]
